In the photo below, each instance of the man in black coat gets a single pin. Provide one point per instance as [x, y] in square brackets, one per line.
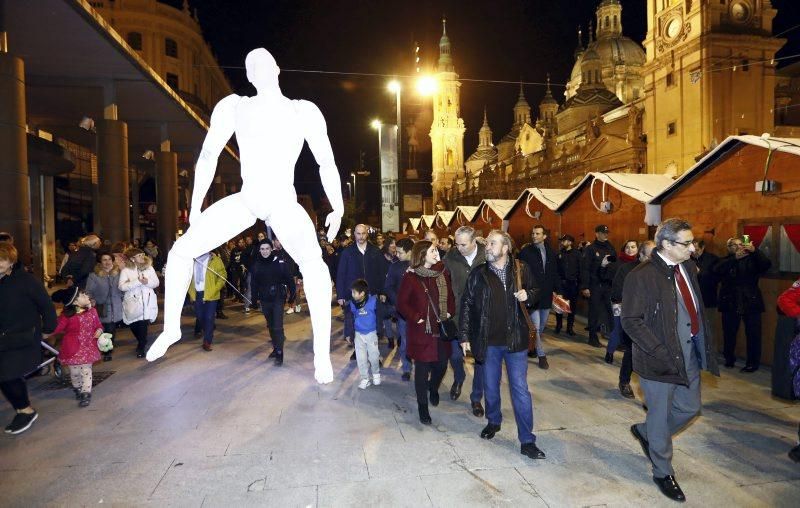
[361, 260]
[740, 299]
[543, 263]
[709, 281]
[596, 282]
[663, 313]
[569, 274]
[81, 263]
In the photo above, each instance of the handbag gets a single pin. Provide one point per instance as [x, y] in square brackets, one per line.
[448, 331]
[533, 332]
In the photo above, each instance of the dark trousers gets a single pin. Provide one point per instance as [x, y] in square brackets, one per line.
[570, 292]
[427, 378]
[16, 393]
[599, 309]
[457, 362]
[273, 313]
[752, 330]
[626, 369]
[139, 330]
[205, 312]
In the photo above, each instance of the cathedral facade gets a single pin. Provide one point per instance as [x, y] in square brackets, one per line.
[705, 71]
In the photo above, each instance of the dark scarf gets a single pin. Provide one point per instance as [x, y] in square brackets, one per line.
[626, 258]
[441, 286]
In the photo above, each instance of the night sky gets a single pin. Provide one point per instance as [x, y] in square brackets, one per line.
[499, 40]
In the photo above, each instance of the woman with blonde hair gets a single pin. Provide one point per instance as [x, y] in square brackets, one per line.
[139, 304]
[102, 286]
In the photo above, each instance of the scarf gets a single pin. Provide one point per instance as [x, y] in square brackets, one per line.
[441, 286]
[627, 259]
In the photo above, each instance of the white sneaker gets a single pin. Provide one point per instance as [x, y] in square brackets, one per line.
[290, 311]
[297, 308]
[364, 384]
[376, 379]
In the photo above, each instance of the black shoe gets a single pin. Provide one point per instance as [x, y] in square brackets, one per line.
[221, 315]
[273, 354]
[609, 359]
[406, 376]
[279, 359]
[85, 399]
[749, 369]
[642, 441]
[794, 453]
[489, 431]
[594, 342]
[730, 365]
[353, 357]
[424, 415]
[531, 451]
[477, 409]
[434, 399]
[531, 354]
[455, 391]
[670, 488]
[543, 363]
[626, 391]
[21, 423]
[570, 332]
[391, 343]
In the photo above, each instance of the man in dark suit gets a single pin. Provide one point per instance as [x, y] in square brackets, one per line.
[543, 262]
[705, 273]
[664, 316]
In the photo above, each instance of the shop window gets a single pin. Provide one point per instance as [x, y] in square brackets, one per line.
[171, 48]
[670, 79]
[672, 128]
[135, 40]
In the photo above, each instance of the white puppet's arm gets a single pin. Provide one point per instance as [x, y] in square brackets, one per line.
[316, 135]
[220, 130]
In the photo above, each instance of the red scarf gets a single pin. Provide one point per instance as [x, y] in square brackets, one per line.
[624, 258]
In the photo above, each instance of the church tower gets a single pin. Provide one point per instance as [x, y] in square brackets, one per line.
[447, 130]
[709, 74]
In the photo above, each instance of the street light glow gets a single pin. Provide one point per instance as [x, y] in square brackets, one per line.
[394, 86]
[427, 85]
[375, 124]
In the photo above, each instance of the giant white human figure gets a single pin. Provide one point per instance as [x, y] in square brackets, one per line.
[270, 130]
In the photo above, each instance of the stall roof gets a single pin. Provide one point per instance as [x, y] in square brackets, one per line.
[414, 221]
[788, 145]
[428, 220]
[641, 187]
[469, 211]
[500, 207]
[446, 216]
[551, 198]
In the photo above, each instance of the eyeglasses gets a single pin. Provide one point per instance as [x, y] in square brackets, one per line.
[685, 244]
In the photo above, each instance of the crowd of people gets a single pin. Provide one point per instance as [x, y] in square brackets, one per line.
[438, 301]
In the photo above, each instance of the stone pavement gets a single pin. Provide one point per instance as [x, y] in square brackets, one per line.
[228, 428]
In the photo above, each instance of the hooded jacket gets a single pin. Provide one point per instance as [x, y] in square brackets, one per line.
[103, 288]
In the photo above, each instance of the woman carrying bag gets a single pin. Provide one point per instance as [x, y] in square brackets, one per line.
[139, 304]
[425, 298]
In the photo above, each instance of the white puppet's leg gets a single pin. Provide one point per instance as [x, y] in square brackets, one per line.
[296, 233]
[217, 224]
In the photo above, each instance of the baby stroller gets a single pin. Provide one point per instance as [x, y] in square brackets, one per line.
[50, 362]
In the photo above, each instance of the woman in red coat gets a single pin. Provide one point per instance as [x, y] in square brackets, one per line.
[426, 274]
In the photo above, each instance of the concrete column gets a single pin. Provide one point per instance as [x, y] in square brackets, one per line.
[136, 230]
[113, 210]
[166, 198]
[15, 211]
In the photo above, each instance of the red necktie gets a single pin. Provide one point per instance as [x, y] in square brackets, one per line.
[687, 300]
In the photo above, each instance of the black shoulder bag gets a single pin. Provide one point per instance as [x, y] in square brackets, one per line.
[448, 331]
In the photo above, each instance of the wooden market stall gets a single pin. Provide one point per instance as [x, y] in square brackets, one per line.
[491, 215]
[536, 206]
[442, 221]
[615, 199]
[463, 216]
[720, 196]
[412, 226]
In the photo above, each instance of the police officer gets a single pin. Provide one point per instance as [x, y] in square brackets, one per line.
[596, 282]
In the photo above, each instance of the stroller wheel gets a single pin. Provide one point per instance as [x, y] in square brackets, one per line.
[58, 371]
[44, 370]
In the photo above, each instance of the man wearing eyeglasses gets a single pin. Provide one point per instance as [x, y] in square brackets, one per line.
[665, 318]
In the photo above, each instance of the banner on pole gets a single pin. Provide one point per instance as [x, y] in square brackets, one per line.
[390, 212]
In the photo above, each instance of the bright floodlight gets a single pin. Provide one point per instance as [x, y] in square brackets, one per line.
[394, 86]
[427, 85]
[375, 124]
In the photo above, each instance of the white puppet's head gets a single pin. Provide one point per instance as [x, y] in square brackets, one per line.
[262, 70]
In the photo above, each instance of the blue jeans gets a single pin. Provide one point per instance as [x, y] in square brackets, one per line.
[401, 334]
[539, 319]
[205, 313]
[517, 370]
[457, 362]
[477, 384]
[616, 336]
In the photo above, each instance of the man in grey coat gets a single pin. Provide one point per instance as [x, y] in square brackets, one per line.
[665, 318]
[459, 263]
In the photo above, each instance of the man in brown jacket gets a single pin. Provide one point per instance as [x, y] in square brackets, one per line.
[664, 317]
